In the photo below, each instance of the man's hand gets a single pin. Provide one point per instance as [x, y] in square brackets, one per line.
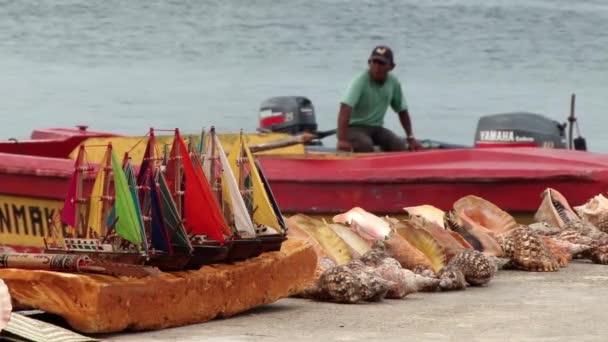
[413, 144]
[345, 145]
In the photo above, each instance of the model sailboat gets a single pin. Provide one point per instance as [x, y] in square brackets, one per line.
[196, 205]
[86, 218]
[261, 205]
[226, 190]
[169, 245]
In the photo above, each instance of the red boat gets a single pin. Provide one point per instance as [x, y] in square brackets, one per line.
[513, 179]
[34, 174]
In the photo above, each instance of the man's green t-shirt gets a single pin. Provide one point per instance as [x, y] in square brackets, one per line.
[370, 100]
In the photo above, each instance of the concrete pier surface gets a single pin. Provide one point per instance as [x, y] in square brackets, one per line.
[569, 305]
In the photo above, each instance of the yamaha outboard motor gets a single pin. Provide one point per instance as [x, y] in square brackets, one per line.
[520, 130]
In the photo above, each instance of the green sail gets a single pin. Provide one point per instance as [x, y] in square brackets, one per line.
[130, 175]
[128, 225]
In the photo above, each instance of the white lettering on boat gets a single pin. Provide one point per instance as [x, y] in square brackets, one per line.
[493, 135]
[503, 136]
[524, 139]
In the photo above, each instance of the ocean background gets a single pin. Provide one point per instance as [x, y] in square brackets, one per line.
[124, 66]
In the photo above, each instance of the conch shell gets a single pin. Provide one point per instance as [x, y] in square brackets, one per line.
[332, 245]
[451, 242]
[481, 238]
[367, 225]
[428, 212]
[294, 231]
[555, 210]
[403, 251]
[486, 214]
[5, 305]
[595, 211]
[424, 242]
[356, 245]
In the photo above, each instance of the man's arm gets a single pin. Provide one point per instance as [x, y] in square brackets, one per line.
[343, 119]
[349, 101]
[404, 117]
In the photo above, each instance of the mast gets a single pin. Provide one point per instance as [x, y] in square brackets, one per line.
[80, 202]
[106, 198]
[201, 145]
[239, 163]
[241, 160]
[177, 179]
[212, 177]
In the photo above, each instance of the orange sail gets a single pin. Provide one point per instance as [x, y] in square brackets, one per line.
[201, 210]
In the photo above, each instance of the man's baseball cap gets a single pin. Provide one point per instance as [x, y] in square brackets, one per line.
[382, 53]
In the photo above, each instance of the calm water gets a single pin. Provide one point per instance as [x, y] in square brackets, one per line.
[128, 65]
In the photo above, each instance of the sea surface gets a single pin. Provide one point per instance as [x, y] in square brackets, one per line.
[124, 66]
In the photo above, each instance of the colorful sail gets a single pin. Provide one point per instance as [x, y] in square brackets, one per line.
[127, 226]
[242, 220]
[173, 175]
[263, 212]
[69, 214]
[201, 209]
[144, 171]
[173, 222]
[96, 222]
[200, 148]
[160, 239]
[271, 198]
[130, 175]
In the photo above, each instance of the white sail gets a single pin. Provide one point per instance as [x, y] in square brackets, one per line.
[207, 159]
[242, 219]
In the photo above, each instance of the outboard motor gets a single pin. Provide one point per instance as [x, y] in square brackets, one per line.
[292, 115]
[287, 114]
[520, 130]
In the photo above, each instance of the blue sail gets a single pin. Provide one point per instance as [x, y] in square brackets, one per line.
[160, 235]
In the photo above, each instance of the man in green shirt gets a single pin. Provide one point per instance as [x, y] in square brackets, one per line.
[364, 105]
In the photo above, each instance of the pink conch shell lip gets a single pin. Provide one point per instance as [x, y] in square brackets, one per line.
[5, 305]
[365, 224]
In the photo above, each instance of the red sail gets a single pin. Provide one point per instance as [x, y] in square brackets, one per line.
[201, 210]
[68, 212]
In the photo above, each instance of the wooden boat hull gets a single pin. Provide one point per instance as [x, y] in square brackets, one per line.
[241, 249]
[271, 243]
[166, 262]
[118, 257]
[207, 254]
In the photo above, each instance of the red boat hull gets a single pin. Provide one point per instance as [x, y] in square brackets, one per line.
[383, 183]
[513, 179]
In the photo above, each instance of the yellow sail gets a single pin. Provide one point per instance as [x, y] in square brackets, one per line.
[95, 225]
[262, 208]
